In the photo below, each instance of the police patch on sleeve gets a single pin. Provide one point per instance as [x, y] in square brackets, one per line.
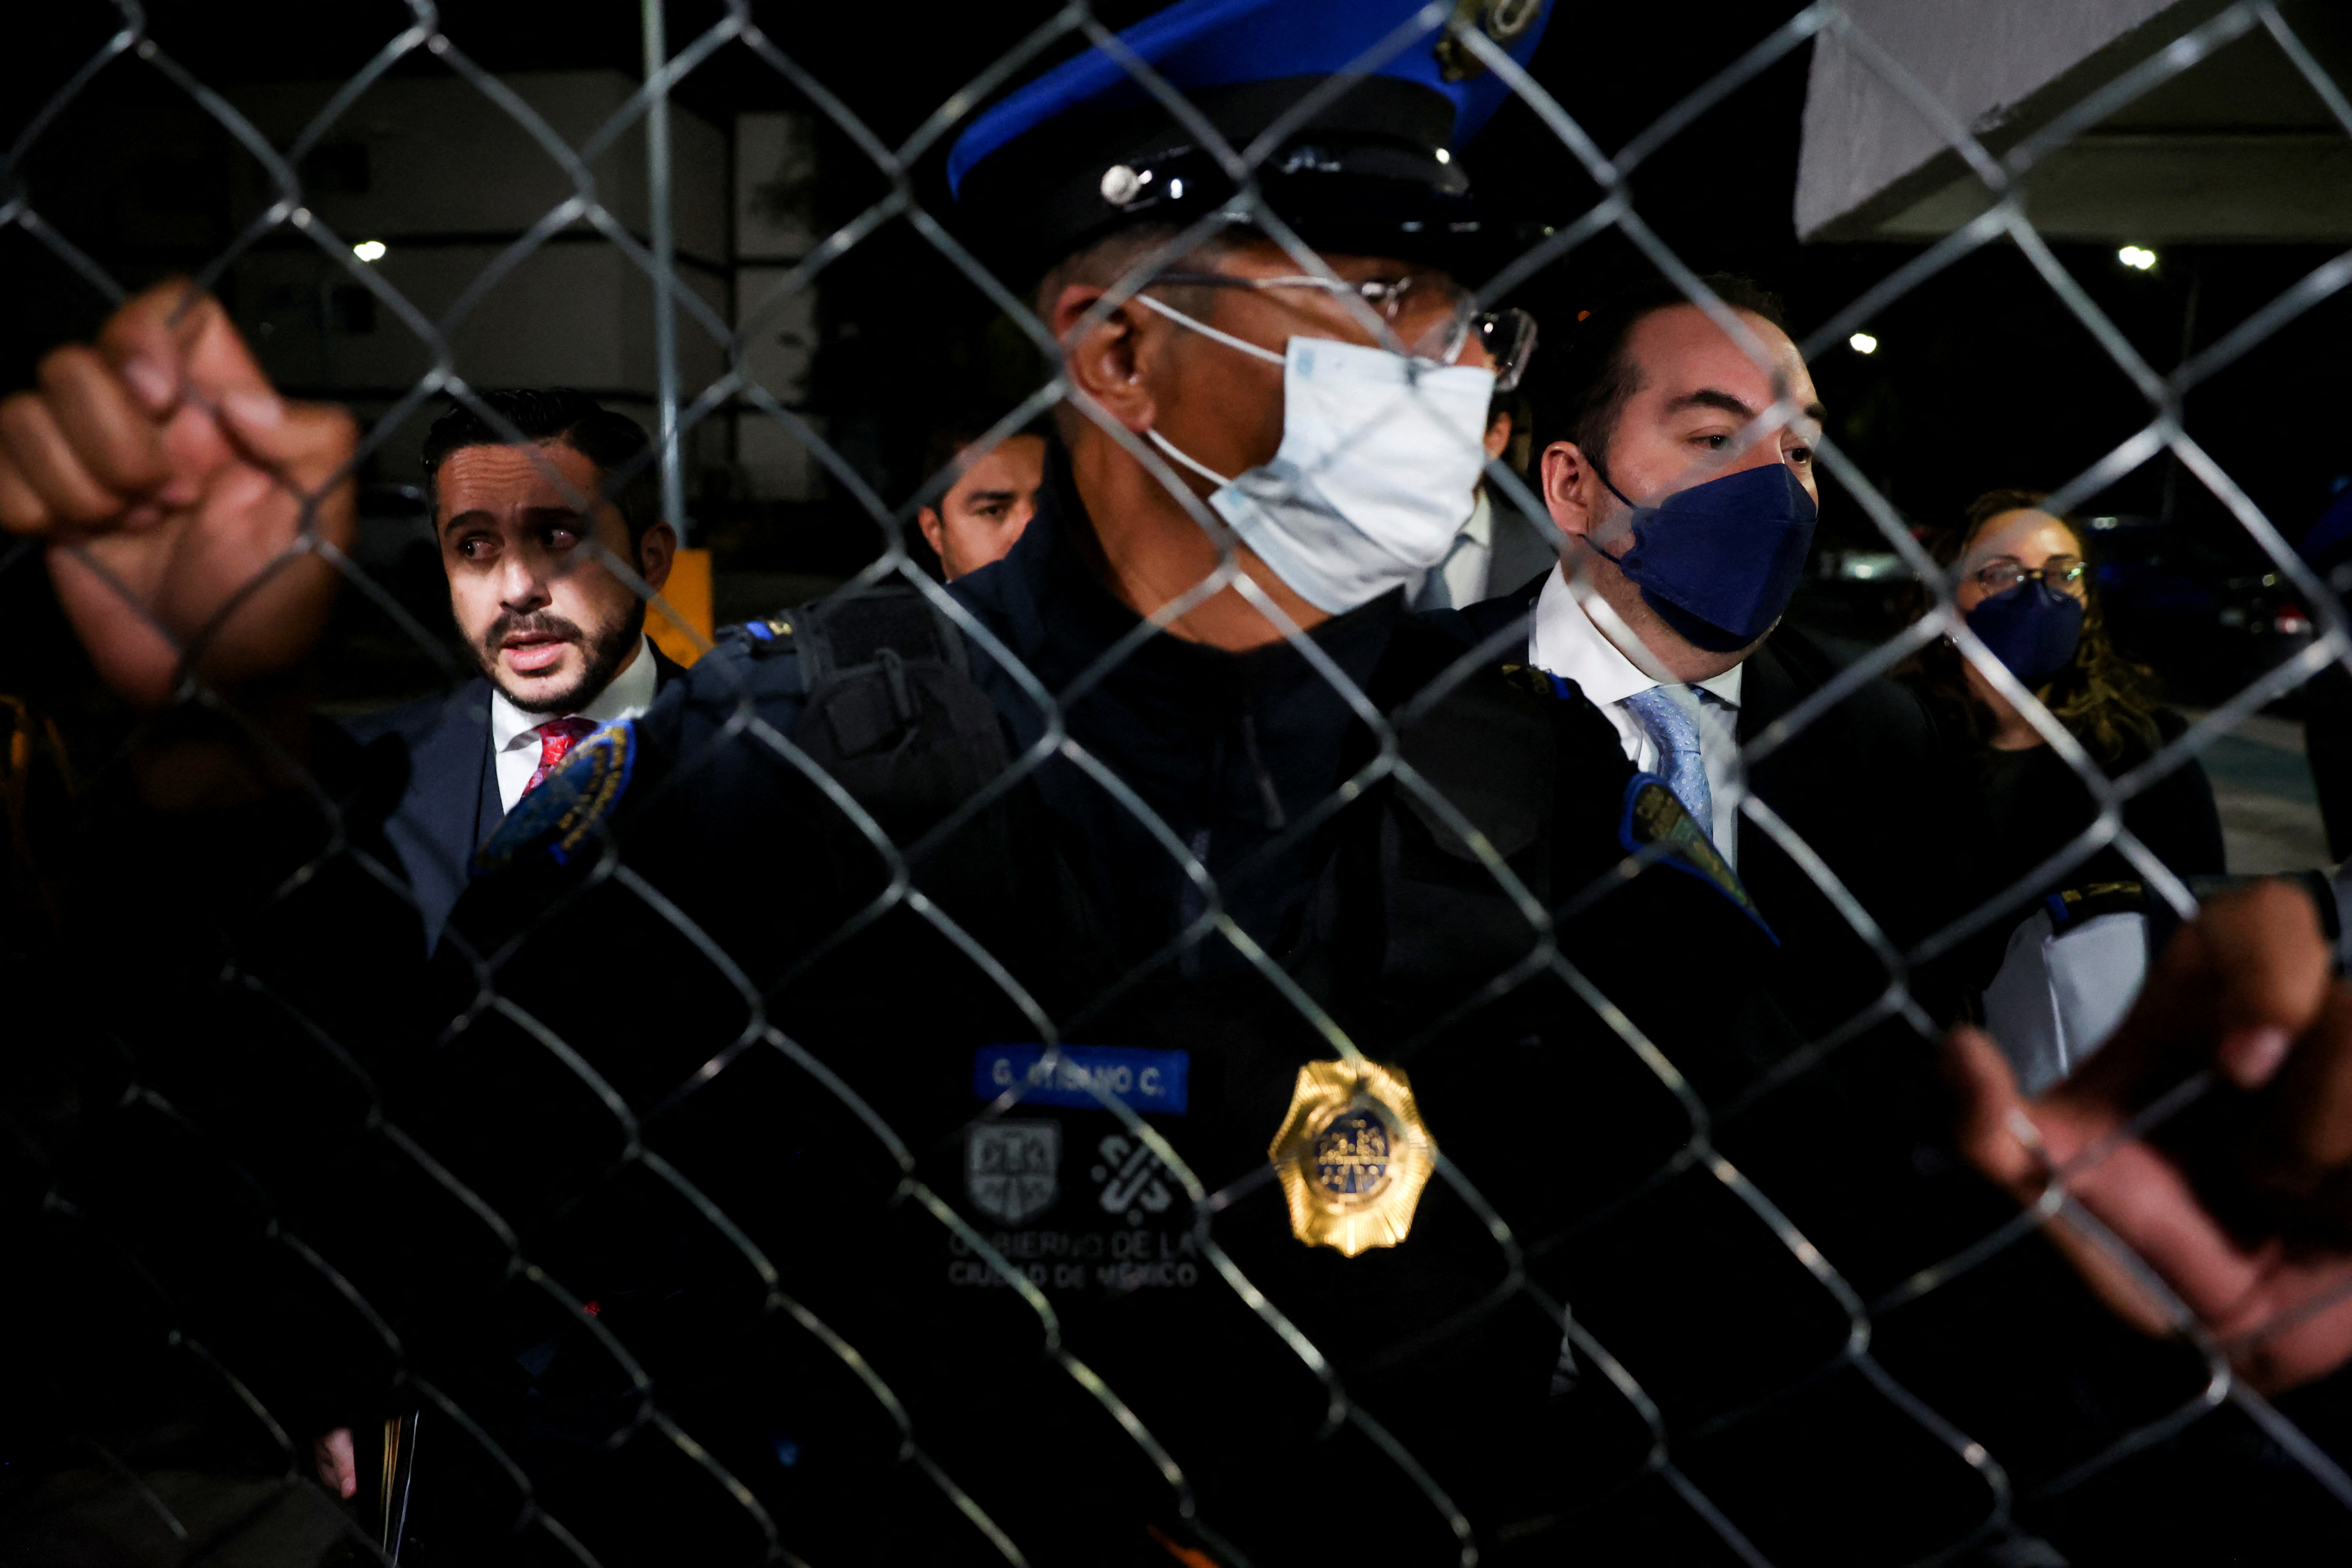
[1353, 1155]
[1654, 815]
[569, 802]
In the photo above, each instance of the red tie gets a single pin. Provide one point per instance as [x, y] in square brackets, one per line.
[556, 739]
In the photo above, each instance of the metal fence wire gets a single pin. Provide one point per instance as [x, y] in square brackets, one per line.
[677, 1227]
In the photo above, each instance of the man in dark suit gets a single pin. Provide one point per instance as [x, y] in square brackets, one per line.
[530, 537]
[1651, 401]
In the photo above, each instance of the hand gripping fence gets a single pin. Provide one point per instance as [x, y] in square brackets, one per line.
[1860, 1347]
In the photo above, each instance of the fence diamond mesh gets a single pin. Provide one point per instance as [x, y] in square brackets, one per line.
[777, 1173]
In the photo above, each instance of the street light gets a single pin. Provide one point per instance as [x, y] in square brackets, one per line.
[2139, 258]
[369, 251]
[1862, 343]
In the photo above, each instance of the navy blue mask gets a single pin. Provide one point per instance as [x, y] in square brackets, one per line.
[1718, 562]
[2032, 628]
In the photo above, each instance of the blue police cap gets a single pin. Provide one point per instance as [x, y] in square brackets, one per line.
[1085, 150]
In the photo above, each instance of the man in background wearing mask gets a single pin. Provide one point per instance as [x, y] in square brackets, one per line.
[1688, 517]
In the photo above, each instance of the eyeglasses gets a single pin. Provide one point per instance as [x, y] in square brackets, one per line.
[2064, 573]
[1431, 315]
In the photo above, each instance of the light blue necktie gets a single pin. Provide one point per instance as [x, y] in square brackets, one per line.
[1676, 729]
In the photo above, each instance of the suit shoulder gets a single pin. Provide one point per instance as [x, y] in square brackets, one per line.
[1809, 660]
[1488, 616]
[414, 721]
[1794, 663]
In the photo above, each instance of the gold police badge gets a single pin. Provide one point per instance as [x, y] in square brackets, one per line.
[1353, 1155]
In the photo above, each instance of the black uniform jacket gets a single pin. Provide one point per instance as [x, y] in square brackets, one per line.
[715, 1178]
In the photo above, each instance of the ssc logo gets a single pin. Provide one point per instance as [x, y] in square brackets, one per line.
[1353, 1155]
[1134, 1182]
[1011, 1169]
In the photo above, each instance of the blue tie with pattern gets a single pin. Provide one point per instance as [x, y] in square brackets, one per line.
[1676, 729]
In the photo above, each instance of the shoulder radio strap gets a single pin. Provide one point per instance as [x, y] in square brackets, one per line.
[893, 712]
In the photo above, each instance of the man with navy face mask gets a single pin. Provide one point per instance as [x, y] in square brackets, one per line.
[1687, 524]
[1679, 463]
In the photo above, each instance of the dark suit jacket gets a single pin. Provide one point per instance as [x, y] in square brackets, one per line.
[1521, 556]
[1860, 784]
[449, 801]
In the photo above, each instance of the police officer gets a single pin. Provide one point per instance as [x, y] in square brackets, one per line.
[1215, 1193]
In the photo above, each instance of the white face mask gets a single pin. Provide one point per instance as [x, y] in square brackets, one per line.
[1380, 459]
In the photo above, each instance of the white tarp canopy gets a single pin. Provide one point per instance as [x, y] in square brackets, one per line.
[2238, 146]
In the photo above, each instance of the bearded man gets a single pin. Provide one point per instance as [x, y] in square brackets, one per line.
[537, 589]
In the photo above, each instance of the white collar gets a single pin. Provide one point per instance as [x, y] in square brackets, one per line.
[630, 693]
[1563, 640]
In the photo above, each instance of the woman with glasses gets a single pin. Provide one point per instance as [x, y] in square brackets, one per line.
[2021, 580]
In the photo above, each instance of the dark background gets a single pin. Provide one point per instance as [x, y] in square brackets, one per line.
[1983, 379]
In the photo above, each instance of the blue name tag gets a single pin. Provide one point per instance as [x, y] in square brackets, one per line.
[1154, 1082]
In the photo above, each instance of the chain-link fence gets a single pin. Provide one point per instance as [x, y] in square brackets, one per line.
[816, 1161]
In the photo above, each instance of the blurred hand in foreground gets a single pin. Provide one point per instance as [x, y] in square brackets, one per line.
[168, 479]
[2240, 1203]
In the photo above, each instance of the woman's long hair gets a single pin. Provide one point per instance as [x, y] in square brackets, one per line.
[2104, 700]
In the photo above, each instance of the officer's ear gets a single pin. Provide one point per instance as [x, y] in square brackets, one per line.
[1569, 483]
[1104, 359]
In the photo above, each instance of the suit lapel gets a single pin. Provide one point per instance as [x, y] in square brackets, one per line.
[489, 810]
[1492, 615]
[441, 816]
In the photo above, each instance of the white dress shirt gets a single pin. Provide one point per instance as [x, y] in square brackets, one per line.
[514, 735]
[1563, 640]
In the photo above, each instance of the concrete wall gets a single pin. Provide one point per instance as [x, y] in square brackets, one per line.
[775, 225]
[441, 158]
[446, 180]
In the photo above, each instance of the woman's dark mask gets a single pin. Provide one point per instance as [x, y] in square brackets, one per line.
[2032, 630]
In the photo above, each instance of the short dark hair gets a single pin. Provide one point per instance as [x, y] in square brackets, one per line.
[616, 443]
[947, 441]
[1578, 392]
